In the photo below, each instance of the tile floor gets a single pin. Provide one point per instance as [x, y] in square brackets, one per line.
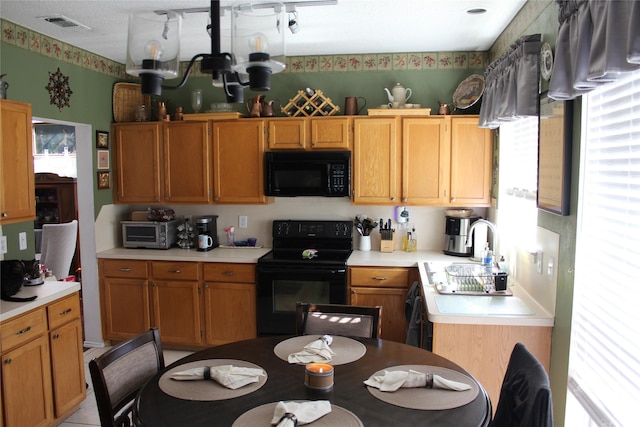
[87, 414]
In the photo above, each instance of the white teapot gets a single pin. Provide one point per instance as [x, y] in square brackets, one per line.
[399, 94]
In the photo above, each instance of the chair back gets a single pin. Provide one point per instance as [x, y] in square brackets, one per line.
[119, 374]
[337, 319]
[58, 247]
[525, 397]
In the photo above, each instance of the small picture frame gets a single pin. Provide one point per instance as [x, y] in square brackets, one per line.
[104, 180]
[103, 159]
[102, 139]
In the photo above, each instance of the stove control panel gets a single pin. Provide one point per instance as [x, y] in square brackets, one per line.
[312, 229]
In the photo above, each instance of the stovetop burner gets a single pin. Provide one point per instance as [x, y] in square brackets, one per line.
[331, 242]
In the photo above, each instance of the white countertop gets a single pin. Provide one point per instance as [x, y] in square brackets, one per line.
[242, 255]
[517, 310]
[48, 292]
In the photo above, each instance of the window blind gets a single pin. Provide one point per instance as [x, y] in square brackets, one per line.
[604, 361]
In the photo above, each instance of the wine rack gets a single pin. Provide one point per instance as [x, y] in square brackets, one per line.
[303, 105]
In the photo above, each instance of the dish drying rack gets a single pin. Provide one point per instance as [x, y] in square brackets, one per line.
[473, 279]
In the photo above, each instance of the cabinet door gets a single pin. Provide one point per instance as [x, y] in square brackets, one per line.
[393, 322]
[17, 201]
[230, 312]
[238, 163]
[288, 134]
[330, 133]
[186, 162]
[67, 366]
[26, 385]
[138, 163]
[126, 307]
[176, 311]
[425, 160]
[471, 167]
[376, 161]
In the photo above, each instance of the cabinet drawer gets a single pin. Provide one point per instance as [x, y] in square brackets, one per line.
[22, 329]
[174, 270]
[63, 311]
[124, 268]
[379, 277]
[229, 272]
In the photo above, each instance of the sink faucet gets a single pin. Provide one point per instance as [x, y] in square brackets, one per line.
[489, 224]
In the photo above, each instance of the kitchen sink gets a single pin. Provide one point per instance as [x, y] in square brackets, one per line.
[482, 305]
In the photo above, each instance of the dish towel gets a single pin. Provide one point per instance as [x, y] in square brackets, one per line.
[315, 351]
[304, 412]
[229, 376]
[393, 380]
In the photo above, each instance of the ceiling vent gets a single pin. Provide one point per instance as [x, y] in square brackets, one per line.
[65, 23]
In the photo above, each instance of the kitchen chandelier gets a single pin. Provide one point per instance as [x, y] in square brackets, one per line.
[257, 45]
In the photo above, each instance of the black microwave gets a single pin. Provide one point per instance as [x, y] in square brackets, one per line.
[308, 173]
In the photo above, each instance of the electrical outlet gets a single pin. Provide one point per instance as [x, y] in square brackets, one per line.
[22, 237]
[3, 244]
[242, 221]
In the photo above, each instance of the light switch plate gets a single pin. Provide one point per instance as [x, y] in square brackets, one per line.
[242, 221]
[22, 237]
[3, 244]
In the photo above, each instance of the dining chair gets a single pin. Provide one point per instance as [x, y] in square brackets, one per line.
[58, 247]
[119, 374]
[525, 397]
[337, 319]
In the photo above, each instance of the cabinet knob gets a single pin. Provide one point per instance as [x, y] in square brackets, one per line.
[4, 214]
[175, 271]
[353, 291]
[56, 336]
[67, 311]
[404, 199]
[393, 198]
[229, 273]
[7, 362]
[125, 269]
[379, 278]
[453, 199]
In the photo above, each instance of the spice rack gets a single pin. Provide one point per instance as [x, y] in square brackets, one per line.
[303, 105]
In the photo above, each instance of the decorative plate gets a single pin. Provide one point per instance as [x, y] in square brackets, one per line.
[546, 61]
[468, 92]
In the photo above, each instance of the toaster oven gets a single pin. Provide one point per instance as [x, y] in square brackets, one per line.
[149, 234]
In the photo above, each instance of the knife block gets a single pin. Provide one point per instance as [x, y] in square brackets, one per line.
[388, 245]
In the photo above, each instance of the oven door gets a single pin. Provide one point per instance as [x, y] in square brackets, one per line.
[280, 287]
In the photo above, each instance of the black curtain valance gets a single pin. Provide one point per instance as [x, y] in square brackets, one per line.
[598, 41]
[512, 83]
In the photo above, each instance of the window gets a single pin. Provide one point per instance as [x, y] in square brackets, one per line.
[517, 213]
[604, 360]
[54, 149]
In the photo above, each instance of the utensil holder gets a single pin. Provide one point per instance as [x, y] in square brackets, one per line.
[365, 243]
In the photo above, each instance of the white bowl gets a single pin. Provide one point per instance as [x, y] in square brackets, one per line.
[458, 213]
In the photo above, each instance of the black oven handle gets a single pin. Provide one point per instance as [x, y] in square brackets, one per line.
[307, 270]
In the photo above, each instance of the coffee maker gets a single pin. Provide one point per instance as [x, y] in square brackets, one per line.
[455, 235]
[207, 226]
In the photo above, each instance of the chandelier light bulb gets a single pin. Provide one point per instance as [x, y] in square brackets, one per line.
[258, 42]
[153, 50]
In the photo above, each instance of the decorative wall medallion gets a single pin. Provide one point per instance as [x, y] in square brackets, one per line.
[546, 61]
[59, 89]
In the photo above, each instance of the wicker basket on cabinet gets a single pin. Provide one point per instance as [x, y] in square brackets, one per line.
[303, 105]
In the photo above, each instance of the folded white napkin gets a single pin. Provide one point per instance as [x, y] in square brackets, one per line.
[230, 376]
[393, 380]
[315, 351]
[305, 412]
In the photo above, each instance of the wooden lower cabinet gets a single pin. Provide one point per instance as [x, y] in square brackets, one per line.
[42, 372]
[230, 302]
[484, 350]
[386, 287]
[193, 304]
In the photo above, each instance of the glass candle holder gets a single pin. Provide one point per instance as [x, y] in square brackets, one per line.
[318, 376]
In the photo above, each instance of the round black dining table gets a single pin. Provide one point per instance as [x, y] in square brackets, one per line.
[154, 408]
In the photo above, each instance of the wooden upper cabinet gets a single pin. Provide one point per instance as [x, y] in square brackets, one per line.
[162, 162]
[376, 160]
[471, 162]
[186, 162]
[425, 160]
[17, 192]
[329, 133]
[138, 162]
[238, 161]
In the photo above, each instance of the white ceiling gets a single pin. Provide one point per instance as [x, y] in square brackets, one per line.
[351, 26]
